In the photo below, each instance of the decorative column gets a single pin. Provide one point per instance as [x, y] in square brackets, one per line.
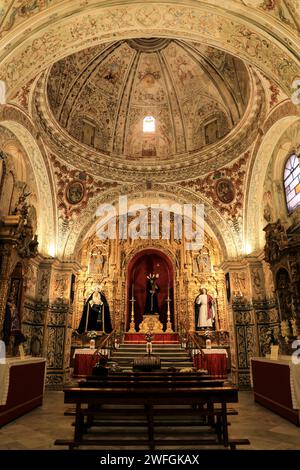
[241, 321]
[59, 321]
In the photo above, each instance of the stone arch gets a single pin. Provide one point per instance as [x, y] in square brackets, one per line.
[238, 29]
[214, 224]
[253, 212]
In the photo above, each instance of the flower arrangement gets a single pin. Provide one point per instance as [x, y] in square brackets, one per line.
[149, 337]
[92, 334]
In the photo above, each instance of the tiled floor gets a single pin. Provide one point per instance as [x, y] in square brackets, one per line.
[39, 428]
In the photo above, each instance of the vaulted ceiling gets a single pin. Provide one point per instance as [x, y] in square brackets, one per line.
[196, 94]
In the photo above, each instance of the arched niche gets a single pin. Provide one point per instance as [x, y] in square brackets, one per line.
[38, 173]
[254, 207]
[145, 262]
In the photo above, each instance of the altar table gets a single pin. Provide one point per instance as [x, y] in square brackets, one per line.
[21, 386]
[213, 360]
[84, 362]
[276, 385]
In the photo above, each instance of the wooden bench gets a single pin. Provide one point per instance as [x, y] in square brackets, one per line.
[94, 402]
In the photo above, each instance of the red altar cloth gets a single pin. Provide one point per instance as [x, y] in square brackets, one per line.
[214, 361]
[162, 338]
[84, 362]
[25, 388]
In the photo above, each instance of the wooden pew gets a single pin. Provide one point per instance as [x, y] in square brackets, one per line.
[174, 400]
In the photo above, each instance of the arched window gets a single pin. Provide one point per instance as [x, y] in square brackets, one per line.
[292, 182]
[149, 124]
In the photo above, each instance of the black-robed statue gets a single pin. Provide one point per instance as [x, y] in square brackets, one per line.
[95, 315]
[152, 289]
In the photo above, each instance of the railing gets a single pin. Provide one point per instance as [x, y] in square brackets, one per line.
[189, 341]
[107, 344]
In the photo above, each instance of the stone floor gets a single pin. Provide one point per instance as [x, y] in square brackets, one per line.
[39, 428]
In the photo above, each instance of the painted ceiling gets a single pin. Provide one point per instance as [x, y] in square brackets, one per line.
[197, 95]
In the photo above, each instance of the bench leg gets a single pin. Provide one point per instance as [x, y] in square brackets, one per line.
[225, 424]
[78, 430]
[149, 411]
[210, 418]
[219, 428]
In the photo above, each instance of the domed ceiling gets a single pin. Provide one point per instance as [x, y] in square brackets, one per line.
[195, 94]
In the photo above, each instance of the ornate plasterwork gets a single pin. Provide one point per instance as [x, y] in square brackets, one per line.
[67, 33]
[207, 187]
[65, 177]
[286, 11]
[13, 12]
[123, 169]
[197, 94]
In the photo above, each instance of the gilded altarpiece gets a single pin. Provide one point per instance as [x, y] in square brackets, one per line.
[106, 263]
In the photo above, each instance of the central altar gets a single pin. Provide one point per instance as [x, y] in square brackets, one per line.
[150, 323]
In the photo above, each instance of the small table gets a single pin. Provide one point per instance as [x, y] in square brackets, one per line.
[84, 362]
[22, 384]
[213, 360]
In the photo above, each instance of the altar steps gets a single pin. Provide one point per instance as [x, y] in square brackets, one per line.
[171, 355]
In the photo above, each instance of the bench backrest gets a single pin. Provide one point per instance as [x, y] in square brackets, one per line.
[151, 395]
[149, 383]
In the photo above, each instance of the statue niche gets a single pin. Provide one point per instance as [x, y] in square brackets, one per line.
[150, 292]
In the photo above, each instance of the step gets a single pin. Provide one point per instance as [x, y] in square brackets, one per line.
[163, 363]
[154, 351]
[163, 358]
[159, 350]
[157, 345]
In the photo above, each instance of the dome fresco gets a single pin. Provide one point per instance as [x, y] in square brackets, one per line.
[196, 95]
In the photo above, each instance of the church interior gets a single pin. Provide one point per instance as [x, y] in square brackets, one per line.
[118, 120]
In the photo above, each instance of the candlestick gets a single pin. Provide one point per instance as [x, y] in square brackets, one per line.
[169, 324]
[132, 300]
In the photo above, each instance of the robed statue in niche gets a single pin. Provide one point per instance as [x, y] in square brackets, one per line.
[95, 315]
[204, 310]
[152, 289]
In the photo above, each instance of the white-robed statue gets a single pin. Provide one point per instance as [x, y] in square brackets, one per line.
[204, 310]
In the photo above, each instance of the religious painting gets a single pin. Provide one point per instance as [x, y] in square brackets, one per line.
[75, 192]
[225, 190]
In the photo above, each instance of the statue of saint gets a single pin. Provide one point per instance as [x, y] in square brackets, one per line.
[204, 310]
[152, 288]
[95, 315]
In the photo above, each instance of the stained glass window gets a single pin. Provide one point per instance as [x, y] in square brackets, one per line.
[292, 182]
[149, 124]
